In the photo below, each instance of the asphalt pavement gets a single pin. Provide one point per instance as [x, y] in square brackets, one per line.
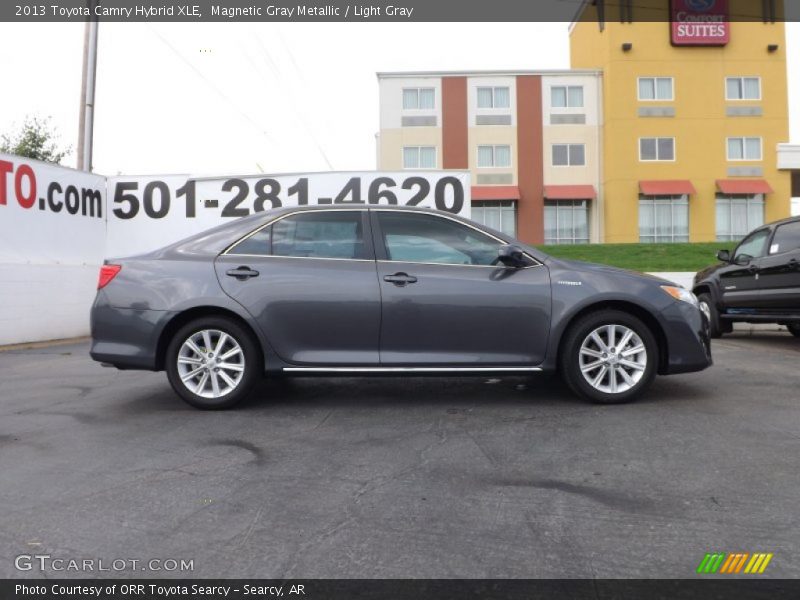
[401, 477]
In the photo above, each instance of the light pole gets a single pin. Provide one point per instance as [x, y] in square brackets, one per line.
[86, 117]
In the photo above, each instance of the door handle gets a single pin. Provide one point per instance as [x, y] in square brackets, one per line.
[400, 279]
[242, 273]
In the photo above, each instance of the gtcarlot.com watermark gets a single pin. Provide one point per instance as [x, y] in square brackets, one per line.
[46, 562]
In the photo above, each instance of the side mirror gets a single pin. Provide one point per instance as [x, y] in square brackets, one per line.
[511, 256]
[724, 256]
[743, 259]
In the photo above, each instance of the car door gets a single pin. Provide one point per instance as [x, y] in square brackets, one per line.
[309, 280]
[779, 270]
[739, 281]
[445, 302]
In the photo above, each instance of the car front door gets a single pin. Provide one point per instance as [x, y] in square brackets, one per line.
[309, 280]
[446, 301]
[779, 270]
[739, 281]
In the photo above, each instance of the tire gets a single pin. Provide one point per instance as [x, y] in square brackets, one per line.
[579, 350]
[216, 384]
[794, 329]
[708, 308]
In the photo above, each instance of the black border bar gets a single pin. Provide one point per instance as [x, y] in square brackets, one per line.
[399, 11]
[707, 588]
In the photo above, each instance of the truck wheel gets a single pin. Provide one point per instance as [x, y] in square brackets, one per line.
[609, 357]
[709, 309]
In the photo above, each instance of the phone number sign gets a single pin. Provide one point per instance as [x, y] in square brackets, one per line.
[700, 23]
[146, 213]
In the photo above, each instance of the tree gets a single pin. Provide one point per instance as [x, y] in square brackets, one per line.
[36, 139]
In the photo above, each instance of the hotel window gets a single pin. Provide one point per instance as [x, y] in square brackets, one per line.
[655, 88]
[494, 156]
[566, 222]
[419, 157]
[738, 215]
[497, 214]
[569, 155]
[743, 88]
[494, 97]
[744, 148]
[566, 96]
[419, 99]
[663, 218]
[656, 149]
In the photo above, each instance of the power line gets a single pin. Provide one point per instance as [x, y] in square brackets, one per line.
[213, 86]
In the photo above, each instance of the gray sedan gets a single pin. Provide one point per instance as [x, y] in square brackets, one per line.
[377, 290]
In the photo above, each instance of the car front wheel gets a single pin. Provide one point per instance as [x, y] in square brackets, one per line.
[609, 357]
[794, 329]
[212, 363]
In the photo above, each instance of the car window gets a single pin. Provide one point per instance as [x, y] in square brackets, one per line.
[753, 245]
[786, 239]
[431, 239]
[257, 244]
[329, 234]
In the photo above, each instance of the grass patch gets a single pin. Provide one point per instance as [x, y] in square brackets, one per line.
[643, 257]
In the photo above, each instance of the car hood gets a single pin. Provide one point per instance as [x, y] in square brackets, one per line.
[708, 272]
[587, 267]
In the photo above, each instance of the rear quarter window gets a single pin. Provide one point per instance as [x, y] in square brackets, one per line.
[786, 239]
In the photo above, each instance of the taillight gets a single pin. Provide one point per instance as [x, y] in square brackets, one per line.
[107, 273]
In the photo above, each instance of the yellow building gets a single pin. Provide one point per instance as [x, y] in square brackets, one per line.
[694, 108]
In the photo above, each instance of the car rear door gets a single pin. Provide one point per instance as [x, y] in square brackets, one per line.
[309, 280]
[445, 304]
[779, 271]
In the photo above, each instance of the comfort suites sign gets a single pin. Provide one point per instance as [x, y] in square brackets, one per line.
[700, 23]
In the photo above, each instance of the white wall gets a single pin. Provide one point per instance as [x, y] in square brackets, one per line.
[45, 302]
[52, 241]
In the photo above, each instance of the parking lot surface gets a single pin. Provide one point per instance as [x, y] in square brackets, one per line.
[395, 477]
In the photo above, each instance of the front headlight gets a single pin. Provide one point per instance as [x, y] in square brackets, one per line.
[680, 293]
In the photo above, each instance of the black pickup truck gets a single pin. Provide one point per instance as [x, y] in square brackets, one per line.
[758, 283]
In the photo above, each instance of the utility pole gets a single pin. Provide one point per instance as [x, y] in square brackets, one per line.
[86, 117]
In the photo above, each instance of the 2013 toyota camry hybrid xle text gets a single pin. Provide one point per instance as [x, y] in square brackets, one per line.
[371, 290]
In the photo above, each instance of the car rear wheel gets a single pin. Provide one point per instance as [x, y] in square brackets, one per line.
[709, 309]
[213, 363]
[794, 329]
[609, 357]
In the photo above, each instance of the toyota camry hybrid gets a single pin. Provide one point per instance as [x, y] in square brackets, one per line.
[385, 290]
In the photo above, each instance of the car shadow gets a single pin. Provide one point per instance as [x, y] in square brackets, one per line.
[544, 390]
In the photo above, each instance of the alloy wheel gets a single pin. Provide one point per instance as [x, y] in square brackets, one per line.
[211, 363]
[613, 358]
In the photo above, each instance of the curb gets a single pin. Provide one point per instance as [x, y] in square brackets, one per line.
[44, 344]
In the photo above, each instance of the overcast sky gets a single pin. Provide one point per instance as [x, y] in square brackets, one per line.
[246, 98]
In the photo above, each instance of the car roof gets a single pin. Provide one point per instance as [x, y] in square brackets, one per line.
[784, 221]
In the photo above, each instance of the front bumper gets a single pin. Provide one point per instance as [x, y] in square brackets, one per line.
[688, 343]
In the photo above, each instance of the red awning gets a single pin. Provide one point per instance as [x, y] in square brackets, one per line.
[666, 187]
[743, 186]
[495, 192]
[570, 192]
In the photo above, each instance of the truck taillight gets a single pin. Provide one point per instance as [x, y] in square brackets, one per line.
[107, 273]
